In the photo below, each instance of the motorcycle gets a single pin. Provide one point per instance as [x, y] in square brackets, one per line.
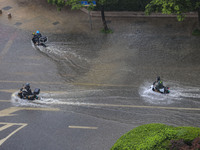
[23, 94]
[40, 42]
[164, 90]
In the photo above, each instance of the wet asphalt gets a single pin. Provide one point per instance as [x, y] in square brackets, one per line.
[101, 81]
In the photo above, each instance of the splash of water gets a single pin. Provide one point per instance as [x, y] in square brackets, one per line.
[16, 101]
[177, 93]
[45, 99]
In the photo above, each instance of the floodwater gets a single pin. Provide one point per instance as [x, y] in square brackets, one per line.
[119, 68]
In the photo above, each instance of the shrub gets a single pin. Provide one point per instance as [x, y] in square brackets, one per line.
[154, 137]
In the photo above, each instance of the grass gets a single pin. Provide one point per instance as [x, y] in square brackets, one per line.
[155, 137]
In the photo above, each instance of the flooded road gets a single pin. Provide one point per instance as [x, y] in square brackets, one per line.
[88, 79]
[105, 74]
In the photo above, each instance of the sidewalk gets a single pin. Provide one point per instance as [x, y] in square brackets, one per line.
[31, 16]
[39, 15]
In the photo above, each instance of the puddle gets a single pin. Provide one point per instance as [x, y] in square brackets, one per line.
[7, 8]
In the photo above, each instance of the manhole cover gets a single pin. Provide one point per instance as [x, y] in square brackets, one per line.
[55, 23]
[7, 8]
[18, 23]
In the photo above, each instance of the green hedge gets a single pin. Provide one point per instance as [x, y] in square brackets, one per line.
[154, 137]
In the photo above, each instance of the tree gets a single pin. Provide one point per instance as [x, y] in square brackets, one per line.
[196, 6]
[178, 7]
[75, 4]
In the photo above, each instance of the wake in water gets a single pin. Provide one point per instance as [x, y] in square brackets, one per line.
[75, 97]
[177, 93]
[58, 98]
[66, 53]
[45, 100]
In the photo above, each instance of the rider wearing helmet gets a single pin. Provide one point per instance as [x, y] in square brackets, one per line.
[38, 36]
[26, 90]
[27, 86]
[35, 38]
[158, 84]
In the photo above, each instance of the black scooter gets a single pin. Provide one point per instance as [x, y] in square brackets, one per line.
[164, 90]
[23, 94]
[40, 42]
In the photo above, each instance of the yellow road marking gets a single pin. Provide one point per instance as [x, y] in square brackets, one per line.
[40, 109]
[7, 125]
[136, 106]
[67, 75]
[5, 101]
[6, 49]
[103, 85]
[30, 57]
[125, 106]
[102, 105]
[9, 111]
[15, 90]
[61, 83]
[9, 90]
[29, 64]
[3, 81]
[23, 73]
[157, 107]
[83, 127]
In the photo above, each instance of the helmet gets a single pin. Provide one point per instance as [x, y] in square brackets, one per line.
[33, 33]
[158, 78]
[37, 32]
[27, 86]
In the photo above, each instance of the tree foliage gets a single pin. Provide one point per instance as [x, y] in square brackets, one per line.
[76, 4]
[58, 3]
[110, 5]
[178, 7]
[125, 5]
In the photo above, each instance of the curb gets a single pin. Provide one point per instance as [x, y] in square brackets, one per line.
[135, 14]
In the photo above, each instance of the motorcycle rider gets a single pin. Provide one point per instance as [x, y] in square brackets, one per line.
[39, 35]
[158, 84]
[26, 90]
[35, 38]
